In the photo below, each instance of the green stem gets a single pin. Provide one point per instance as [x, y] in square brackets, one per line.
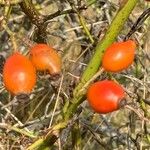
[110, 36]
[83, 23]
[51, 137]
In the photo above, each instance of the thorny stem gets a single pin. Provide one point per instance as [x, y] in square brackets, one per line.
[29, 9]
[36, 18]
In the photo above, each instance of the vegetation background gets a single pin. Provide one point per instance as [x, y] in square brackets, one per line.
[73, 27]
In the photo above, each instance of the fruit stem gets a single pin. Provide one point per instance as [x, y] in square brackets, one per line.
[84, 88]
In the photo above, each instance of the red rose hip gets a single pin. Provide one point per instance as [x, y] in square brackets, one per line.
[119, 56]
[105, 96]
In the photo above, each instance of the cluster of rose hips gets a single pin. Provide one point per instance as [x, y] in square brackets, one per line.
[107, 96]
[19, 72]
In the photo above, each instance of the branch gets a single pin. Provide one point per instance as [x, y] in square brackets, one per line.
[42, 21]
[36, 18]
[92, 68]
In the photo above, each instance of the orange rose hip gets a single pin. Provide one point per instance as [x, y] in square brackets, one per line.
[19, 75]
[119, 56]
[44, 58]
[105, 96]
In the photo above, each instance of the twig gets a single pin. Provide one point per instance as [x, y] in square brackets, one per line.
[60, 12]
[138, 23]
[84, 88]
[138, 113]
[37, 106]
[82, 21]
[56, 103]
[21, 131]
[13, 116]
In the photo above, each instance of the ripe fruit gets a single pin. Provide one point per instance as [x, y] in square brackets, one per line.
[19, 75]
[45, 58]
[119, 56]
[105, 96]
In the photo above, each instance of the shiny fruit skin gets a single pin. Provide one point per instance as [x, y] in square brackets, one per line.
[19, 74]
[44, 58]
[119, 56]
[105, 96]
